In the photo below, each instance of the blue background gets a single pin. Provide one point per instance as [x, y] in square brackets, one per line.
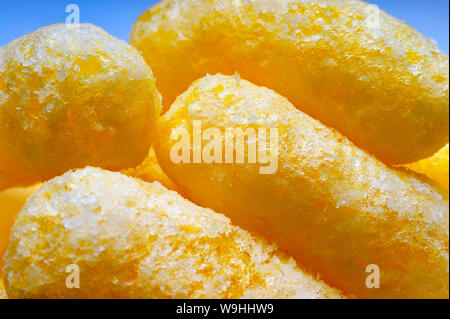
[18, 17]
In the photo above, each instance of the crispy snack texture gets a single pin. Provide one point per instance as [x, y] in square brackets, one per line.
[329, 204]
[70, 97]
[346, 63]
[132, 239]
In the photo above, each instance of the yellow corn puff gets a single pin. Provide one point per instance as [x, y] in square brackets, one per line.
[435, 167]
[330, 205]
[344, 62]
[11, 202]
[131, 239]
[71, 96]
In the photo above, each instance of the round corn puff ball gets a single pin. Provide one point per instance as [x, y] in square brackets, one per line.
[131, 239]
[72, 96]
[346, 63]
[11, 202]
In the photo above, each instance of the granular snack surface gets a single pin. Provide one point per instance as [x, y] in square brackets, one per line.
[70, 97]
[131, 239]
[329, 204]
[355, 68]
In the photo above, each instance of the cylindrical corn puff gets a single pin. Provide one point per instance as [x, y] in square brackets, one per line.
[11, 202]
[71, 96]
[344, 62]
[150, 171]
[327, 203]
[436, 167]
[131, 239]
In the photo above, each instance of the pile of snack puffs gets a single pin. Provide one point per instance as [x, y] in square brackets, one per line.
[95, 183]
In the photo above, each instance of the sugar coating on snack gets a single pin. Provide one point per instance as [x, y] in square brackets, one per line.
[353, 67]
[11, 202]
[150, 171]
[330, 205]
[132, 239]
[435, 167]
[70, 97]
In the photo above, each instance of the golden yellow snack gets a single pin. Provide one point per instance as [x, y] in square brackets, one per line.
[330, 205]
[435, 167]
[11, 202]
[70, 97]
[131, 239]
[150, 171]
[353, 67]
[3, 294]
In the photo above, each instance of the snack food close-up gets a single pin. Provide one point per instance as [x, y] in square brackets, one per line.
[74, 89]
[131, 239]
[357, 69]
[224, 149]
[329, 204]
[11, 202]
